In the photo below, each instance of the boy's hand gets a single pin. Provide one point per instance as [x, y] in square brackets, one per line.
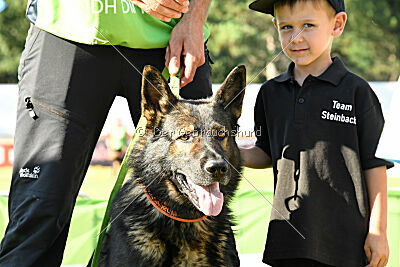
[376, 248]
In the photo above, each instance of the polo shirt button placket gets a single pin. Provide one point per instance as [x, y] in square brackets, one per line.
[300, 111]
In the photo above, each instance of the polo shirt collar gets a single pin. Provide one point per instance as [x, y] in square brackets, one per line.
[287, 75]
[333, 74]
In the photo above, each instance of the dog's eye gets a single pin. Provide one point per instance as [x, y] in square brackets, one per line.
[185, 137]
[221, 135]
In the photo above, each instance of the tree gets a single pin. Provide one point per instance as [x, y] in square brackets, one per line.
[370, 43]
[242, 36]
[13, 29]
[369, 46]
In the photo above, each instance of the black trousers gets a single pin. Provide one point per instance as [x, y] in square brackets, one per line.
[299, 263]
[65, 92]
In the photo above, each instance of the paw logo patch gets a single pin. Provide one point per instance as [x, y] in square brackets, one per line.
[27, 173]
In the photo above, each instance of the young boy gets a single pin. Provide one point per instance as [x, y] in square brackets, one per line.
[320, 125]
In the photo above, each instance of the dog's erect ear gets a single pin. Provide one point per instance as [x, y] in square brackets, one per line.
[231, 93]
[157, 98]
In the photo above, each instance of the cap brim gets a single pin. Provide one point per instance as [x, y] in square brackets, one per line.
[263, 6]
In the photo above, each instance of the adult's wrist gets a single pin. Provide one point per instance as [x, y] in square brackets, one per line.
[198, 11]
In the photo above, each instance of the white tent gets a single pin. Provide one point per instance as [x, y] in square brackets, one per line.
[389, 145]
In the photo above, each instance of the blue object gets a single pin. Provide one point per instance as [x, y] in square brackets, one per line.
[3, 5]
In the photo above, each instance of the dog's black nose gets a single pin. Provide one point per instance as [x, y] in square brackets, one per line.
[216, 168]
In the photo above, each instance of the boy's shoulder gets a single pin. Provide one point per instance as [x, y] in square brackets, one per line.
[363, 93]
[357, 80]
[337, 74]
[355, 85]
[349, 78]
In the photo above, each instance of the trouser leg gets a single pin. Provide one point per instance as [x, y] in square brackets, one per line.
[299, 263]
[71, 88]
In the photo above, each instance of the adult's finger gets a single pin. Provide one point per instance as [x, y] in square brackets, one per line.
[177, 5]
[173, 62]
[182, 2]
[154, 7]
[191, 64]
[180, 6]
[167, 56]
[158, 10]
[146, 8]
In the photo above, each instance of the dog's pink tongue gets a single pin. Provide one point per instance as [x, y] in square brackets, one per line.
[210, 198]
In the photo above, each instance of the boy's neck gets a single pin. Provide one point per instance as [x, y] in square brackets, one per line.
[302, 72]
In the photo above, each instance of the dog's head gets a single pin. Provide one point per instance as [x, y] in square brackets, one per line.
[189, 145]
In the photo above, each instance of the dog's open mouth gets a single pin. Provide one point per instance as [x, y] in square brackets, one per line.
[208, 199]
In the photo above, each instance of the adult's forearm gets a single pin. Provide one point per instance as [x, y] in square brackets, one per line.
[198, 11]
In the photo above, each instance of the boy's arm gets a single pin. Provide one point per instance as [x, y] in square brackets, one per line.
[254, 157]
[376, 244]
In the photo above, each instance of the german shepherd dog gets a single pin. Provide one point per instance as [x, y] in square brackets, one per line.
[173, 210]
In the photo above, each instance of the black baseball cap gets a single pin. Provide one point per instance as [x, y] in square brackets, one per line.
[267, 6]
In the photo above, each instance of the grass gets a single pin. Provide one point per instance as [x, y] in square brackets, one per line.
[250, 238]
[99, 180]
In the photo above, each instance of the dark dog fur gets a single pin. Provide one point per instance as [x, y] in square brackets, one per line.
[183, 140]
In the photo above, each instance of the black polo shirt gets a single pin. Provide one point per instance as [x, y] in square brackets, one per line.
[320, 136]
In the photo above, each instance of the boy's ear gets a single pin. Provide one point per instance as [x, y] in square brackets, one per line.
[340, 22]
[230, 95]
[275, 23]
[157, 98]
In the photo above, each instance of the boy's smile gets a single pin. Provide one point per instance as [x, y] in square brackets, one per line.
[306, 32]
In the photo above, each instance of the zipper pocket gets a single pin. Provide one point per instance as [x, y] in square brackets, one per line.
[29, 107]
[30, 102]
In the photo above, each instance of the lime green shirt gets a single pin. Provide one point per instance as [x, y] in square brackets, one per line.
[94, 22]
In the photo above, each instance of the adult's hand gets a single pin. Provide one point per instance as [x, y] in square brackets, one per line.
[163, 10]
[187, 42]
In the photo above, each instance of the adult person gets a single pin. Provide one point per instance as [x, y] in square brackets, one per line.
[117, 145]
[69, 75]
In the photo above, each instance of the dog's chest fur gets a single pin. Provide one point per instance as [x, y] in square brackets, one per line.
[162, 241]
[191, 250]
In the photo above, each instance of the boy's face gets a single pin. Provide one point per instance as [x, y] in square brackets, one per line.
[314, 23]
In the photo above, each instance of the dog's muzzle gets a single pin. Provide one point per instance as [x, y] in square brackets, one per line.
[218, 170]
